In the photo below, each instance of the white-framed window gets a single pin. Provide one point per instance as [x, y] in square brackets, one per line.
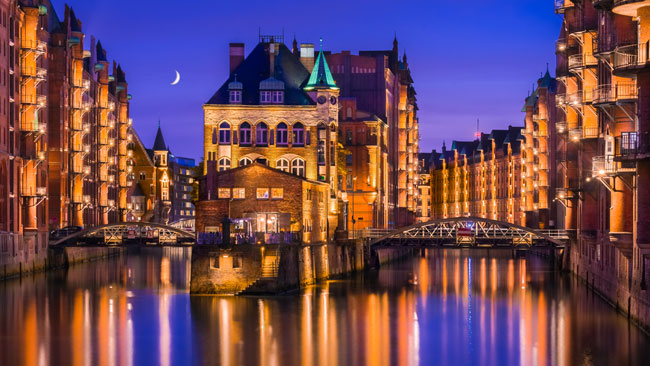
[224, 192]
[298, 167]
[278, 97]
[224, 164]
[238, 193]
[262, 193]
[282, 164]
[265, 97]
[245, 161]
[235, 96]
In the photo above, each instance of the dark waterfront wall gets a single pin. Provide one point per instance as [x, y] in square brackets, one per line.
[22, 253]
[612, 279]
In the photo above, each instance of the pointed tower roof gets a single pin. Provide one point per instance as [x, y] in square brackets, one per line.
[159, 144]
[321, 76]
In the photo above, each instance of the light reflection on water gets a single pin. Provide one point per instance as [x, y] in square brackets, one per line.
[446, 308]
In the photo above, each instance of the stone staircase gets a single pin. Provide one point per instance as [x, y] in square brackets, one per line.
[267, 283]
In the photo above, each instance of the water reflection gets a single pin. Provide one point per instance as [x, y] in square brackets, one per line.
[444, 308]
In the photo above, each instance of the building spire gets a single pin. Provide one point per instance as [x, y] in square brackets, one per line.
[321, 76]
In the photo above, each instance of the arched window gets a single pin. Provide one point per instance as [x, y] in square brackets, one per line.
[298, 167]
[261, 134]
[282, 164]
[224, 164]
[282, 133]
[262, 160]
[245, 134]
[224, 133]
[245, 161]
[298, 134]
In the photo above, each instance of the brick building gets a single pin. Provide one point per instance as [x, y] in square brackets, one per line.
[603, 124]
[265, 204]
[423, 194]
[380, 83]
[274, 111]
[182, 171]
[479, 178]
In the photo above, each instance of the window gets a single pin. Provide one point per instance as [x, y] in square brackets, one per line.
[262, 161]
[348, 137]
[298, 167]
[277, 193]
[265, 97]
[165, 195]
[282, 164]
[298, 134]
[348, 159]
[278, 97]
[224, 163]
[235, 96]
[281, 132]
[224, 193]
[245, 161]
[321, 152]
[262, 193]
[245, 134]
[261, 134]
[224, 133]
[238, 193]
[143, 176]
[333, 154]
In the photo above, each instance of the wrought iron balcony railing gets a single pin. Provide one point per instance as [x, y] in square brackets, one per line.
[632, 56]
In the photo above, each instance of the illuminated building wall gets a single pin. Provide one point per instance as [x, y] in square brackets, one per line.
[603, 107]
[380, 82]
[88, 130]
[365, 179]
[423, 195]
[273, 110]
[480, 178]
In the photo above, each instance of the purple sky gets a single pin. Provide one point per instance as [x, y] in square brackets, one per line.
[469, 58]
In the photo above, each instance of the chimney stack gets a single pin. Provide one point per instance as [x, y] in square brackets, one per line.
[236, 55]
[307, 55]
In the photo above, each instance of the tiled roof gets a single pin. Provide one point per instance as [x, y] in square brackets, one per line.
[256, 68]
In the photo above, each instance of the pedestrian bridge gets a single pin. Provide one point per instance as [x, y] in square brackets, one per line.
[470, 232]
[128, 233]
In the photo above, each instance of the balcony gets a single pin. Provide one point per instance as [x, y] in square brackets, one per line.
[34, 99]
[39, 74]
[603, 166]
[30, 191]
[629, 7]
[36, 46]
[561, 127]
[82, 106]
[610, 94]
[33, 127]
[628, 59]
[581, 60]
[562, 5]
[590, 132]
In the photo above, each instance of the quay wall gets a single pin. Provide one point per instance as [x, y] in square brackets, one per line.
[610, 274]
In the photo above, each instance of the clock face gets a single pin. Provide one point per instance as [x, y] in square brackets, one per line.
[333, 100]
[322, 99]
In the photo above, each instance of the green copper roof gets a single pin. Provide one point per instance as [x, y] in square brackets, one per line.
[321, 77]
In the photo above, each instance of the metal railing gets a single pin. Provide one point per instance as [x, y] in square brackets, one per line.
[602, 166]
[33, 45]
[561, 127]
[631, 56]
[31, 191]
[611, 93]
[581, 60]
[34, 99]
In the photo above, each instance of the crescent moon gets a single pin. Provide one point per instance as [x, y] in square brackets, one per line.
[178, 78]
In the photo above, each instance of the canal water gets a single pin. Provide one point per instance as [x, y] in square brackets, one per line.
[445, 308]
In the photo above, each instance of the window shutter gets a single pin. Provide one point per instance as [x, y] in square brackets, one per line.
[271, 136]
[308, 138]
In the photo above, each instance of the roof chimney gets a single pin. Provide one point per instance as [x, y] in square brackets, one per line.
[236, 55]
[307, 55]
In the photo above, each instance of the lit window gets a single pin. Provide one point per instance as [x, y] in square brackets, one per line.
[224, 133]
[235, 96]
[298, 134]
[282, 164]
[165, 195]
[224, 163]
[298, 167]
[143, 176]
[224, 192]
[262, 193]
[238, 193]
[245, 161]
[277, 193]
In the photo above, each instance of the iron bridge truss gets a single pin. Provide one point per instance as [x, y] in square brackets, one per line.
[474, 232]
[129, 232]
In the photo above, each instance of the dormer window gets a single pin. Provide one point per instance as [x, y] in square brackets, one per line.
[235, 97]
[271, 91]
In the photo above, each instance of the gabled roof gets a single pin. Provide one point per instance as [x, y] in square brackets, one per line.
[256, 68]
[321, 76]
[101, 52]
[137, 191]
[75, 25]
[159, 143]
